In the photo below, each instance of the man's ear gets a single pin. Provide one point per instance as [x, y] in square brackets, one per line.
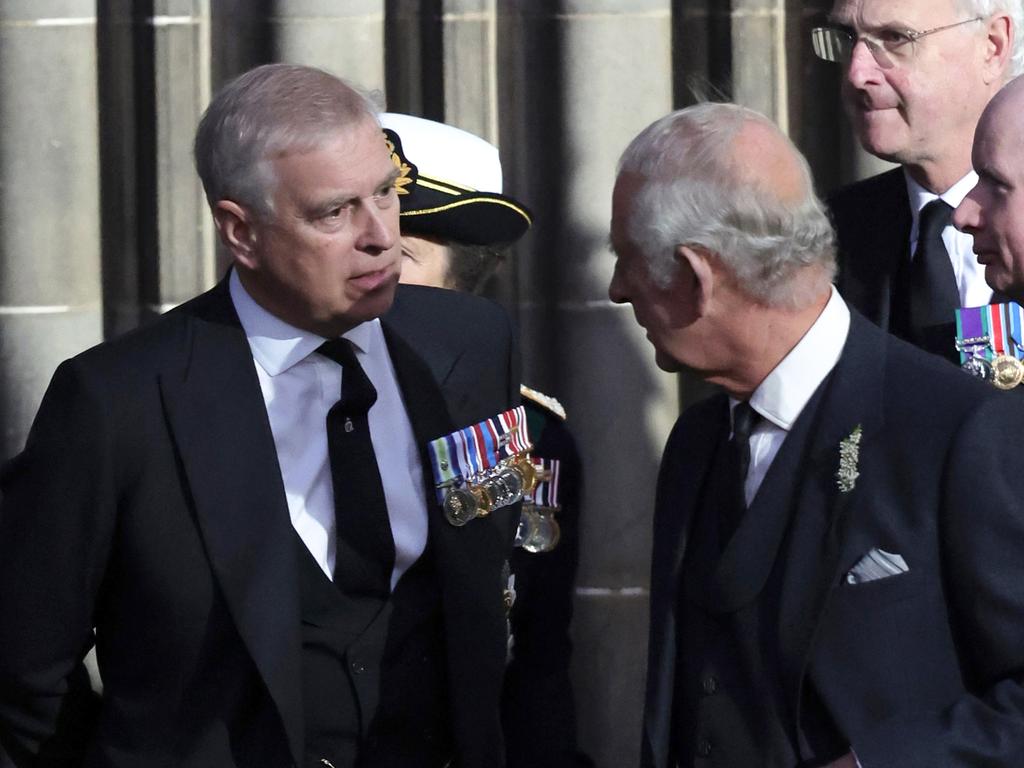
[999, 47]
[701, 286]
[236, 230]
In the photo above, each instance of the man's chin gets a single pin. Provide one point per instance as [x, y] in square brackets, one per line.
[667, 363]
[876, 136]
[1001, 282]
[375, 303]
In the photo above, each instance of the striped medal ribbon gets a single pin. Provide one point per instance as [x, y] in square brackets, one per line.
[989, 342]
[480, 468]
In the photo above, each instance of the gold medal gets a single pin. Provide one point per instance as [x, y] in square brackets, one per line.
[484, 500]
[1007, 371]
[527, 472]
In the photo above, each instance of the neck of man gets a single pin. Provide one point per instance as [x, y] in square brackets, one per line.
[761, 338]
[937, 176]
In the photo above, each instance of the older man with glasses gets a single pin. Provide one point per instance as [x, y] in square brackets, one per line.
[916, 76]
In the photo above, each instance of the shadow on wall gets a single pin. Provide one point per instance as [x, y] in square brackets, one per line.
[589, 354]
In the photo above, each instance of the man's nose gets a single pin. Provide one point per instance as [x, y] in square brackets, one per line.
[377, 233]
[967, 216]
[863, 68]
[616, 291]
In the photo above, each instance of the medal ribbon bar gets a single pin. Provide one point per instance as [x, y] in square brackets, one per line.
[989, 342]
[546, 492]
[483, 466]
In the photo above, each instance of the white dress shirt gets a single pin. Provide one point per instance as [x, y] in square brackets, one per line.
[781, 397]
[970, 275]
[299, 387]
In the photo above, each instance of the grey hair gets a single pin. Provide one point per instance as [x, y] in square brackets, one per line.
[266, 111]
[693, 193]
[1015, 10]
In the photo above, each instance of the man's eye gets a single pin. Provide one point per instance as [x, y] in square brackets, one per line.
[894, 38]
[385, 192]
[337, 212]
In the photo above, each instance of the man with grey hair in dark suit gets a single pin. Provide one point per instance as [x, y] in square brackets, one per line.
[836, 569]
[235, 504]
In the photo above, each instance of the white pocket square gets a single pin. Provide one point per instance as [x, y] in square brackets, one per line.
[876, 564]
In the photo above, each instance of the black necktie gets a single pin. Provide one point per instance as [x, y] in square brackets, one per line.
[744, 419]
[928, 297]
[365, 546]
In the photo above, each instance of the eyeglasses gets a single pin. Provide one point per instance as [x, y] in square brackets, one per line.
[890, 47]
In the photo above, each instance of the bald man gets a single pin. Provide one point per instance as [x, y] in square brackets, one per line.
[993, 212]
[836, 570]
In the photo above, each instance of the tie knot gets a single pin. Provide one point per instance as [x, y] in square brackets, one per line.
[744, 419]
[340, 351]
[935, 217]
[357, 391]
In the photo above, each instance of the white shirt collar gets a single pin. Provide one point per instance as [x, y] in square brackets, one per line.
[785, 391]
[277, 345]
[920, 197]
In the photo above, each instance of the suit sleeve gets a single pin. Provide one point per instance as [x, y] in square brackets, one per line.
[982, 531]
[55, 526]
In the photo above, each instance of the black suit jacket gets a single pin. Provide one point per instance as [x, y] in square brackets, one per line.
[872, 219]
[919, 669]
[473, 357]
[148, 504]
[539, 718]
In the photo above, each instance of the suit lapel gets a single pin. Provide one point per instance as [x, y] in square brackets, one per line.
[681, 481]
[749, 559]
[219, 423]
[853, 398]
[424, 403]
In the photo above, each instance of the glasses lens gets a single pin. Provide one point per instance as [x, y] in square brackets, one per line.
[837, 45]
[830, 44]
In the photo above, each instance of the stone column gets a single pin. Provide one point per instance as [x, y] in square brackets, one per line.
[177, 256]
[414, 58]
[158, 236]
[344, 38]
[470, 32]
[49, 191]
[579, 79]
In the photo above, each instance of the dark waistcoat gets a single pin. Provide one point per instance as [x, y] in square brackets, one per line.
[730, 706]
[373, 672]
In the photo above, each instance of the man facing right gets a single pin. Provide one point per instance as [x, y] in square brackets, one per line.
[837, 569]
[917, 74]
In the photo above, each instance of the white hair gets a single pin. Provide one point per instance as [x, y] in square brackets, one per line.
[692, 193]
[268, 110]
[1015, 10]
